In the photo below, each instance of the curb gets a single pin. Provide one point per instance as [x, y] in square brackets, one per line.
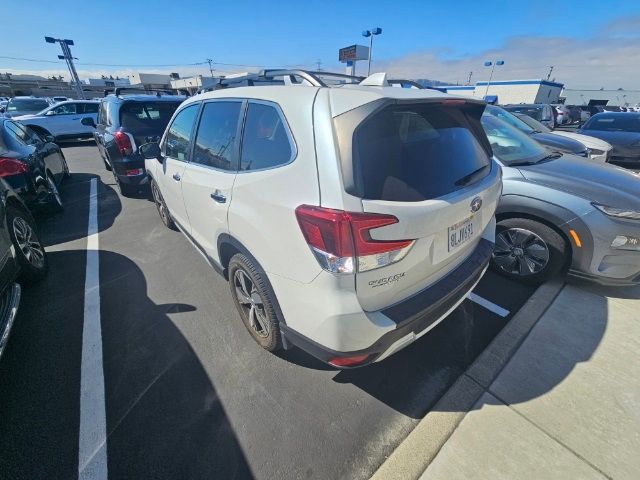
[412, 457]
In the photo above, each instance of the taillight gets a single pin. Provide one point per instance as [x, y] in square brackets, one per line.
[11, 166]
[342, 243]
[123, 142]
[348, 361]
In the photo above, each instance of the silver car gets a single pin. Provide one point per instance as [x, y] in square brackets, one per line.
[559, 213]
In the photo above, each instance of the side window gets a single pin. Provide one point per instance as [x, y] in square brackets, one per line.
[176, 141]
[88, 107]
[66, 109]
[265, 143]
[102, 114]
[216, 138]
[22, 133]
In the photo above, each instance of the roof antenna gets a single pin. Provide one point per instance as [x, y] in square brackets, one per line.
[375, 80]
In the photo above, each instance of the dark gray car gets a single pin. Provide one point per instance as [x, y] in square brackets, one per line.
[560, 213]
[622, 131]
[549, 140]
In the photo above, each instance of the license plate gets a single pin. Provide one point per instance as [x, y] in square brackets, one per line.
[460, 233]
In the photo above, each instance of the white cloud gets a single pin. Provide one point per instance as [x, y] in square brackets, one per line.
[610, 59]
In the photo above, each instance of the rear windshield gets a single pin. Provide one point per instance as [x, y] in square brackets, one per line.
[26, 105]
[416, 152]
[533, 112]
[614, 123]
[146, 116]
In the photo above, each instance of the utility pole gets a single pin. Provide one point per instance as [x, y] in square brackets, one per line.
[66, 55]
[550, 70]
[319, 64]
[210, 62]
[469, 79]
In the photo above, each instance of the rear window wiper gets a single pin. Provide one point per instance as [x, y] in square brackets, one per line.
[467, 179]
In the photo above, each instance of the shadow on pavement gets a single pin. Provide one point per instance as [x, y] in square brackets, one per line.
[71, 223]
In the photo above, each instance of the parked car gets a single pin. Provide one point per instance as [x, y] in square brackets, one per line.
[24, 259]
[34, 166]
[544, 113]
[559, 213]
[622, 131]
[553, 142]
[126, 121]
[63, 120]
[598, 150]
[25, 105]
[381, 199]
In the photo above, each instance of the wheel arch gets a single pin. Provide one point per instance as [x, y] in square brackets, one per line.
[39, 130]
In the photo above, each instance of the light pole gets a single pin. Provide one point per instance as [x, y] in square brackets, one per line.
[371, 33]
[493, 67]
[66, 55]
[210, 62]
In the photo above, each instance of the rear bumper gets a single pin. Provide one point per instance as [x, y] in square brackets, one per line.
[414, 316]
[133, 162]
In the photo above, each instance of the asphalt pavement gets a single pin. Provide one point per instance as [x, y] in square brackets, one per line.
[187, 393]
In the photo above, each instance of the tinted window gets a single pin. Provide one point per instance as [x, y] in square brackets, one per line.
[103, 115]
[614, 123]
[88, 107]
[66, 109]
[265, 143]
[176, 142]
[416, 152]
[216, 139]
[509, 118]
[27, 105]
[533, 112]
[146, 116]
[21, 133]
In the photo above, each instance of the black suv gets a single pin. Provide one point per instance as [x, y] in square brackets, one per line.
[126, 121]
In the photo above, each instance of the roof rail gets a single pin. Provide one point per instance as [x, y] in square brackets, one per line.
[148, 91]
[402, 82]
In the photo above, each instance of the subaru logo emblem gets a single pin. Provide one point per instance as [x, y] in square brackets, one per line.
[476, 203]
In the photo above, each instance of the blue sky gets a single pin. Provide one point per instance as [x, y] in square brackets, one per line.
[267, 33]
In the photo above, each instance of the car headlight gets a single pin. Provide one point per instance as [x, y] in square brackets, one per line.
[618, 212]
[593, 152]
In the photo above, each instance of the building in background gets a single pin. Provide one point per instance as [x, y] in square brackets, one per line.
[510, 91]
[195, 83]
[109, 82]
[619, 97]
[153, 80]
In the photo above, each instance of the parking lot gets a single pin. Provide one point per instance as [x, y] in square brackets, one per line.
[187, 392]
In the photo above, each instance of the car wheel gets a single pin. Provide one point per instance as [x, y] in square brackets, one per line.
[55, 199]
[254, 302]
[30, 253]
[528, 251]
[66, 173]
[107, 166]
[163, 211]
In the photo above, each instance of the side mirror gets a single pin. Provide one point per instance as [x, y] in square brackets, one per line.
[151, 150]
[49, 138]
[88, 122]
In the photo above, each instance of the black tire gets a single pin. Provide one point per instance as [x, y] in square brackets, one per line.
[107, 166]
[66, 173]
[163, 211]
[32, 269]
[258, 313]
[56, 203]
[528, 251]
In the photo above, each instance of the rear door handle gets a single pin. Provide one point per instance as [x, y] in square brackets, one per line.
[176, 177]
[219, 197]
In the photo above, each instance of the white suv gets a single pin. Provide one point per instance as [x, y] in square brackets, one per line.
[349, 219]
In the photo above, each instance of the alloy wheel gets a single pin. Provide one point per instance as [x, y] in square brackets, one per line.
[520, 252]
[54, 190]
[28, 242]
[251, 302]
[162, 209]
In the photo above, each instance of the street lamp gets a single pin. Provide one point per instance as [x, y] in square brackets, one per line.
[371, 33]
[66, 55]
[493, 67]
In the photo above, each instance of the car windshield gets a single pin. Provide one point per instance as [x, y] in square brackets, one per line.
[533, 123]
[26, 105]
[614, 123]
[509, 144]
[147, 115]
[533, 112]
[509, 118]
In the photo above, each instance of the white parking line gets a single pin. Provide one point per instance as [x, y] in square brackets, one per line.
[92, 452]
[492, 307]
